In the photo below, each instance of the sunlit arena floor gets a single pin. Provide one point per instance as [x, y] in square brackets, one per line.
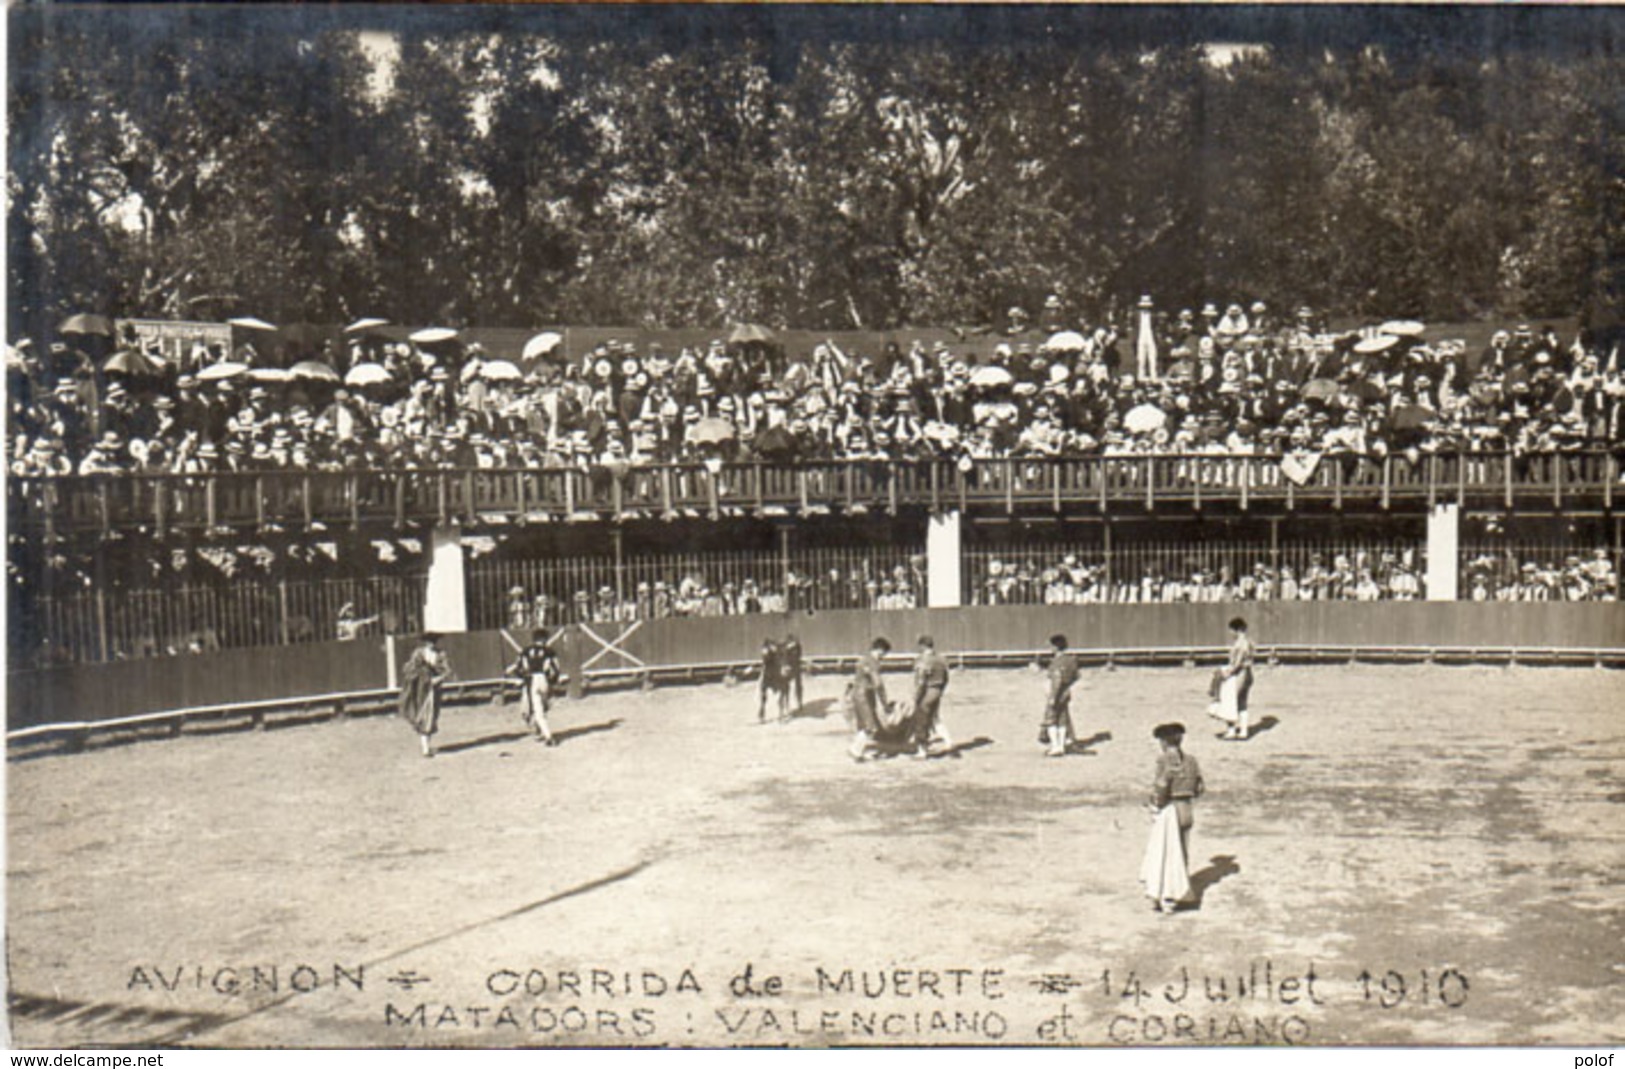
[1402, 855]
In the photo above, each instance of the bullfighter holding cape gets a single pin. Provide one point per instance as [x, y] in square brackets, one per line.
[1175, 787]
[421, 677]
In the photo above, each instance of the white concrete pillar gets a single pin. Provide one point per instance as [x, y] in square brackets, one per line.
[445, 605]
[944, 543]
[1444, 552]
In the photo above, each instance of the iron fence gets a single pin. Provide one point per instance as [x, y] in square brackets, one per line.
[121, 624]
[1160, 570]
[560, 590]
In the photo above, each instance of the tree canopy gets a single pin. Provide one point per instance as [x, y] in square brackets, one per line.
[866, 168]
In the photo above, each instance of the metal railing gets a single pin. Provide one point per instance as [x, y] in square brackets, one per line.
[229, 499]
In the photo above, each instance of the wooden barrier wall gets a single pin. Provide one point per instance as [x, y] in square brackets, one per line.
[126, 688]
[1554, 625]
[106, 691]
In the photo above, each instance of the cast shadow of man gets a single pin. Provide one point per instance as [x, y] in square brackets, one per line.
[817, 709]
[1082, 746]
[1218, 867]
[503, 737]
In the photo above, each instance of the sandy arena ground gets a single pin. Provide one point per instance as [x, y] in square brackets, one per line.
[1441, 847]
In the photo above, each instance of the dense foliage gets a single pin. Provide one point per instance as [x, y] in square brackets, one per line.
[864, 169]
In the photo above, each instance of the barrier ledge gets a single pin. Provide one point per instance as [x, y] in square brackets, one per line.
[340, 701]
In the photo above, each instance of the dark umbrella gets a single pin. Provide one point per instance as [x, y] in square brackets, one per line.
[746, 333]
[1366, 390]
[134, 363]
[87, 323]
[776, 443]
[304, 335]
[1412, 418]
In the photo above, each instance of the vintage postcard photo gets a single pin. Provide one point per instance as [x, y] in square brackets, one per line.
[814, 526]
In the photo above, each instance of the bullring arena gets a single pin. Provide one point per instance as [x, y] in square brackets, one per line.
[1404, 854]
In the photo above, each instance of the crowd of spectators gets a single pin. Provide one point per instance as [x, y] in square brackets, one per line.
[1237, 382]
[692, 593]
[1502, 577]
[1066, 580]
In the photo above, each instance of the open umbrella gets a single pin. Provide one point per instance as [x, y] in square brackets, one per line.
[1402, 328]
[86, 323]
[304, 335]
[542, 344]
[1067, 341]
[225, 369]
[1379, 344]
[711, 431]
[430, 335]
[135, 363]
[1320, 390]
[746, 333]
[313, 371]
[500, 371]
[775, 443]
[1412, 417]
[1366, 390]
[366, 375]
[268, 374]
[990, 376]
[1142, 419]
[365, 323]
[250, 323]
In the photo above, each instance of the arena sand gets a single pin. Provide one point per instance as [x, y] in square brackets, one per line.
[1440, 847]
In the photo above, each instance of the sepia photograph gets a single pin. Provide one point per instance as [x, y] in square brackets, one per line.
[814, 526]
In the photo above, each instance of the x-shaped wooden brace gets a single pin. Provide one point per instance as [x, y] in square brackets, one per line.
[611, 645]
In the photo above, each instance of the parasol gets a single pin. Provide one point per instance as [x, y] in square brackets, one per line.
[430, 335]
[990, 376]
[1144, 418]
[746, 333]
[313, 371]
[1320, 390]
[712, 430]
[1067, 341]
[500, 371]
[367, 375]
[364, 324]
[1402, 328]
[135, 363]
[1411, 417]
[268, 374]
[250, 323]
[86, 323]
[1379, 344]
[225, 369]
[542, 344]
[304, 335]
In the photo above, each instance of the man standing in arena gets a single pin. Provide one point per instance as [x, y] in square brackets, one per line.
[774, 680]
[930, 680]
[1236, 683]
[790, 652]
[1063, 673]
[537, 669]
[867, 693]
